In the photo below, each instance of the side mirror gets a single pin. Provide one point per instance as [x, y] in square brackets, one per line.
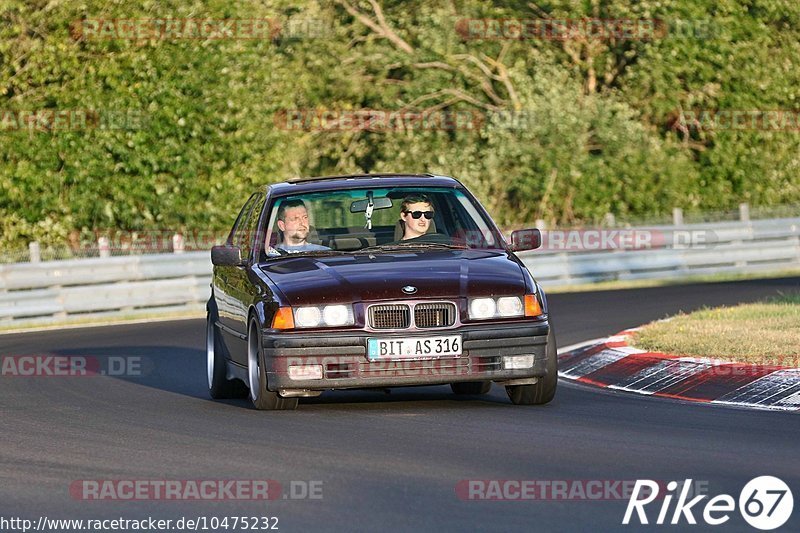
[226, 255]
[525, 239]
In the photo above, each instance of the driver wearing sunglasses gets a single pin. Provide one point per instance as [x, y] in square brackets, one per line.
[416, 212]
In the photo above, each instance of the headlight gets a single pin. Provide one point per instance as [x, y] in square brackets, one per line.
[337, 315]
[503, 307]
[307, 317]
[509, 306]
[482, 308]
[324, 316]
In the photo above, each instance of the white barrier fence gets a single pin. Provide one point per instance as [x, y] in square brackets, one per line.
[127, 285]
[678, 251]
[122, 286]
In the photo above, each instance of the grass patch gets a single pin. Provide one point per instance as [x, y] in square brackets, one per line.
[766, 332]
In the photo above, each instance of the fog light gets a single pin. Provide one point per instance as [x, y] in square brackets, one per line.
[517, 362]
[299, 372]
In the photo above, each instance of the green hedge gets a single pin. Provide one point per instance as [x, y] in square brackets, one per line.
[180, 130]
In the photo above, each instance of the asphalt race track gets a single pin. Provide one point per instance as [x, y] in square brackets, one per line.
[386, 461]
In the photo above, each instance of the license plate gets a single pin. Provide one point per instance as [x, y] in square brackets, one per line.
[414, 347]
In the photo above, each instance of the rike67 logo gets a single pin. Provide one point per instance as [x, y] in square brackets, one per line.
[765, 503]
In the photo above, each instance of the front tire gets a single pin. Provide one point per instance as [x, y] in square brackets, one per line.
[544, 390]
[219, 386]
[262, 398]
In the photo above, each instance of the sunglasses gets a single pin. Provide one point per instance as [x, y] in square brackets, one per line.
[417, 214]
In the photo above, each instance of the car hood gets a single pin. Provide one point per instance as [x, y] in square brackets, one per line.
[381, 276]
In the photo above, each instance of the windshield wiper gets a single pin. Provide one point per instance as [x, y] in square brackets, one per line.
[307, 253]
[407, 246]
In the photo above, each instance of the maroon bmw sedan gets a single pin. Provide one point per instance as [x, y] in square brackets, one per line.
[374, 281]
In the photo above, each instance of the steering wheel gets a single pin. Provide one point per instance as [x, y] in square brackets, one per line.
[435, 238]
[440, 238]
[279, 251]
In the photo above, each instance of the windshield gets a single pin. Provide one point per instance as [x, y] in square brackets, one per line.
[372, 220]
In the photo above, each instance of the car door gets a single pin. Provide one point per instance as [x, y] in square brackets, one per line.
[226, 282]
[241, 289]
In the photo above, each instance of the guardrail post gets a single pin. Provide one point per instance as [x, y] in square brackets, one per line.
[744, 212]
[177, 244]
[104, 246]
[797, 248]
[677, 216]
[565, 276]
[35, 252]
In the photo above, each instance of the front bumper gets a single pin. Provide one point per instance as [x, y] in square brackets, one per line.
[343, 357]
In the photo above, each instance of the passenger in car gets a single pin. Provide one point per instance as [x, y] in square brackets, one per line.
[294, 225]
[416, 214]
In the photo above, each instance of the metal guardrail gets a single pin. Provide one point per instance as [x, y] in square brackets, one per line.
[679, 251]
[54, 290]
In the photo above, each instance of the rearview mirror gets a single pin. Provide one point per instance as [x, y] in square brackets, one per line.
[226, 255]
[525, 239]
[381, 202]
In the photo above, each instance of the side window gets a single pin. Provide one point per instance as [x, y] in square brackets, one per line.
[247, 223]
[235, 236]
[250, 227]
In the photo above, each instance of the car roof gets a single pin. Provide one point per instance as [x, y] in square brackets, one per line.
[332, 183]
